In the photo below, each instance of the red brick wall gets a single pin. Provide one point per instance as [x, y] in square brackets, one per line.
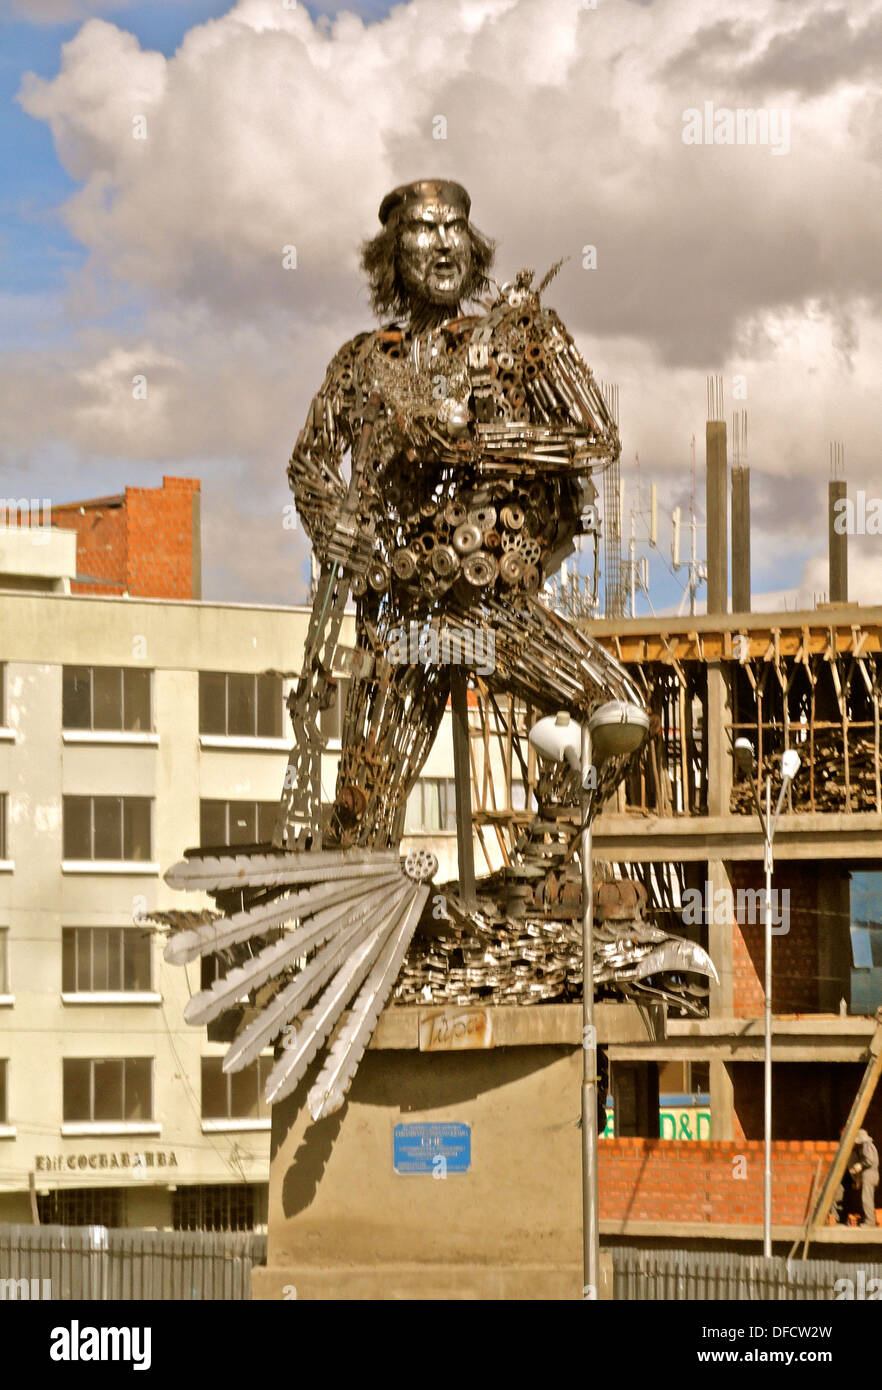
[142, 544]
[160, 539]
[794, 954]
[101, 544]
[667, 1180]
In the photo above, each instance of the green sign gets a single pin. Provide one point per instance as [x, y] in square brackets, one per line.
[674, 1122]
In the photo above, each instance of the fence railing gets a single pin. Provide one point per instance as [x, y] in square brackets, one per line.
[640, 1275]
[97, 1262]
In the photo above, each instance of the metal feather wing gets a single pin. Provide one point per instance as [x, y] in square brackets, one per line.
[346, 1052]
[326, 929]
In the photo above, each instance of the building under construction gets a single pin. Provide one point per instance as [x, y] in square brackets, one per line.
[684, 826]
[684, 829]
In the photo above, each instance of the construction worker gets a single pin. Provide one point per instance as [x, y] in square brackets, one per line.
[864, 1169]
[862, 1174]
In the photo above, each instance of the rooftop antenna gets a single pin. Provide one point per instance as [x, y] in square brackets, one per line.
[613, 511]
[636, 571]
[697, 569]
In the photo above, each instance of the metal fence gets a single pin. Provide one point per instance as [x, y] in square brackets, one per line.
[640, 1275]
[96, 1262]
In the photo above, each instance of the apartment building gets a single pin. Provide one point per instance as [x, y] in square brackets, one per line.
[130, 729]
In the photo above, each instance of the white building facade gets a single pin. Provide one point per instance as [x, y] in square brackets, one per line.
[131, 729]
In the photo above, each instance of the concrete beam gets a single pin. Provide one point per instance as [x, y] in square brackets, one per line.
[518, 1025]
[814, 1038]
[840, 616]
[645, 839]
[735, 1050]
[853, 1027]
[688, 1230]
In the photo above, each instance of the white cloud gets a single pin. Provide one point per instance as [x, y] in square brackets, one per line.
[266, 129]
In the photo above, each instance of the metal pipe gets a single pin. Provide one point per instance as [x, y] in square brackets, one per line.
[463, 787]
[767, 1045]
[590, 1225]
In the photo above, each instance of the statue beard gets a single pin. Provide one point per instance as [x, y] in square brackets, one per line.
[426, 313]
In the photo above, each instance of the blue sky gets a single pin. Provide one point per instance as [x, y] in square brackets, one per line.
[38, 255]
[36, 252]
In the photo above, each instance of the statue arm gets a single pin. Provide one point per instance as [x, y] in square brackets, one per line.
[315, 474]
[566, 391]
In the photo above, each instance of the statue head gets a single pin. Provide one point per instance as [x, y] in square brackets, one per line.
[428, 257]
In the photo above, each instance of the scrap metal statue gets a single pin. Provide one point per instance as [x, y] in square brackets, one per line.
[471, 441]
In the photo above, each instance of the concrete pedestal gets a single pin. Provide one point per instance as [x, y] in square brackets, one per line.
[344, 1224]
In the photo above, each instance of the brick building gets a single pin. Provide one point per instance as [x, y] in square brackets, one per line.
[144, 543]
[686, 822]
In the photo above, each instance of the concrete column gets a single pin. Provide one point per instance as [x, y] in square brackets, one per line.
[717, 518]
[740, 540]
[721, 1004]
[719, 748]
[837, 544]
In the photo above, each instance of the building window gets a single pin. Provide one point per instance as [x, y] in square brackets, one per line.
[2, 696]
[105, 959]
[236, 706]
[235, 1095]
[684, 1083]
[83, 1206]
[106, 697]
[431, 806]
[331, 719]
[4, 961]
[107, 827]
[108, 1088]
[4, 1110]
[3, 847]
[236, 822]
[214, 1208]
[866, 941]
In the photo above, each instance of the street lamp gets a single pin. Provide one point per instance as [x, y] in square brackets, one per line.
[614, 730]
[745, 762]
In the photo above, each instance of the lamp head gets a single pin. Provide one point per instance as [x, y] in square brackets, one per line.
[556, 737]
[617, 730]
[790, 764]
[743, 755]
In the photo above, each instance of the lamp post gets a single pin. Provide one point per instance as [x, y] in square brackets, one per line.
[616, 729]
[746, 762]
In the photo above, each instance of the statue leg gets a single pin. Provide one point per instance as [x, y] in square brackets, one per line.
[390, 722]
[544, 660]
[552, 664]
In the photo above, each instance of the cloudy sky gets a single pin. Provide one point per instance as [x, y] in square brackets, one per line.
[272, 123]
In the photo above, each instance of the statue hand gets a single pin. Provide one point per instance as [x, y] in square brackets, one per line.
[350, 544]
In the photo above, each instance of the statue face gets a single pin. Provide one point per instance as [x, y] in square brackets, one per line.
[434, 252]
